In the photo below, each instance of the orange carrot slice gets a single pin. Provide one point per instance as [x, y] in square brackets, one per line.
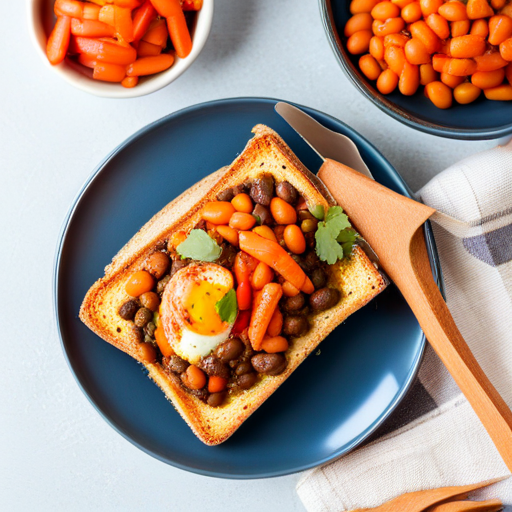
[130, 81]
[146, 49]
[109, 72]
[105, 51]
[265, 304]
[167, 8]
[69, 8]
[58, 42]
[123, 23]
[157, 33]
[150, 65]
[145, 14]
[180, 36]
[91, 28]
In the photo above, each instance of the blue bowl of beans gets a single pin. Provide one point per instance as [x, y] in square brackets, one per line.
[480, 118]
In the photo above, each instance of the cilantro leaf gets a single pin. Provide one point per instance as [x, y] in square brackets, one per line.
[336, 220]
[227, 307]
[327, 248]
[199, 246]
[318, 211]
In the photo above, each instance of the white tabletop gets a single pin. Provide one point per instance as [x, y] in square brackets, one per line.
[56, 451]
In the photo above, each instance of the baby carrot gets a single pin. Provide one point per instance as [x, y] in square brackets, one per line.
[157, 33]
[180, 36]
[58, 41]
[123, 23]
[166, 8]
[91, 28]
[146, 49]
[88, 62]
[130, 81]
[109, 72]
[106, 15]
[264, 306]
[143, 17]
[192, 5]
[69, 8]
[105, 51]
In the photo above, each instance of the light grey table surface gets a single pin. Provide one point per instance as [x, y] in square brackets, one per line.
[56, 452]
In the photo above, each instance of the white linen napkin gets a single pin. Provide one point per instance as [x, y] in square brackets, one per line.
[439, 440]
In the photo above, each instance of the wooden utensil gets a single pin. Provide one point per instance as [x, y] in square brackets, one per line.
[393, 226]
[429, 500]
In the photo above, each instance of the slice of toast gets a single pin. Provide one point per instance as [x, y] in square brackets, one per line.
[356, 277]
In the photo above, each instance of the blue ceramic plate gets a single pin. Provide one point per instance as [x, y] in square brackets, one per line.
[482, 119]
[327, 407]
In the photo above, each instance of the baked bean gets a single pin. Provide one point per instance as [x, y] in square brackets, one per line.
[147, 352]
[439, 94]
[150, 300]
[176, 364]
[216, 399]
[384, 10]
[409, 79]
[157, 264]
[217, 212]
[242, 203]
[274, 345]
[196, 379]
[177, 265]
[370, 67]
[387, 81]
[309, 225]
[376, 48]
[242, 221]
[360, 21]
[247, 380]
[287, 192]
[128, 309]
[226, 195]
[295, 325]
[323, 299]
[359, 42]
[295, 303]
[212, 365]
[269, 364]
[142, 317]
[428, 74]
[416, 53]
[138, 283]
[466, 93]
[229, 350]
[500, 93]
[243, 368]
[488, 79]
[282, 212]
[318, 278]
[262, 190]
[160, 287]
[411, 12]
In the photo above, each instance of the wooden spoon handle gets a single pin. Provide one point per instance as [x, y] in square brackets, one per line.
[416, 283]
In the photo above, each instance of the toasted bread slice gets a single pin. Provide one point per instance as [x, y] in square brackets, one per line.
[356, 277]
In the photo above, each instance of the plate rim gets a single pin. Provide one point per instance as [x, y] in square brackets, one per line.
[433, 255]
[390, 108]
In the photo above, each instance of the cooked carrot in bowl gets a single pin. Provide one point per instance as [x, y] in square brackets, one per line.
[454, 49]
[121, 40]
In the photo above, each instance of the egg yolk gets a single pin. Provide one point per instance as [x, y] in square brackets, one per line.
[199, 304]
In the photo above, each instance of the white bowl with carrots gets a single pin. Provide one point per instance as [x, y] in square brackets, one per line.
[119, 48]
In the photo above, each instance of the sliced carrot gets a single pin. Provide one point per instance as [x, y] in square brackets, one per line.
[157, 33]
[105, 51]
[150, 65]
[167, 8]
[69, 8]
[275, 257]
[192, 5]
[107, 72]
[265, 304]
[146, 49]
[88, 62]
[91, 28]
[58, 42]
[123, 23]
[143, 17]
[180, 36]
[106, 15]
[130, 81]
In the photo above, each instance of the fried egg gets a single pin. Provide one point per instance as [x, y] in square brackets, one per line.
[187, 312]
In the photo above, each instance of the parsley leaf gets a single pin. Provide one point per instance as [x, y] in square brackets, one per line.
[227, 307]
[347, 238]
[199, 246]
[318, 211]
[327, 248]
[336, 220]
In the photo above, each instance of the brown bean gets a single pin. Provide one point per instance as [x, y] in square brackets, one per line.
[243, 368]
[324, 298]
[318, 278]
[262, 190]
[160, 287]
[147, 352]
[157, 264]
[226, 195]
[143, 316]
[211, 365]
[286, 192]
[263, 215]
[150, 300]
[177, 265]
[176, 364]
[294, 303]
[295, 325]
[269, 364]
[128, 309]
[229, 350]
[247, 380]
[216, 399]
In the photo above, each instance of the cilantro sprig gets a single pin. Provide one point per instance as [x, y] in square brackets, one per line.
[199, 246]
[227, 307]
[334, 236]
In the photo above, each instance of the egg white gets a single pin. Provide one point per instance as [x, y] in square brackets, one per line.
[193, 346]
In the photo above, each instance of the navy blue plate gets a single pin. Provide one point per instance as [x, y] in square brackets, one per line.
[327, 407]
[483, 119]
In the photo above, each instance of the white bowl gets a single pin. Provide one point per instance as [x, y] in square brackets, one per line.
[42, 19]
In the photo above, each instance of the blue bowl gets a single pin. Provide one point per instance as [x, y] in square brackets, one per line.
[482, 119]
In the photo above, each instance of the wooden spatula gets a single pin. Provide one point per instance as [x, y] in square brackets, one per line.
[393, 226]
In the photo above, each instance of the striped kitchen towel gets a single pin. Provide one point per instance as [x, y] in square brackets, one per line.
[435, 439]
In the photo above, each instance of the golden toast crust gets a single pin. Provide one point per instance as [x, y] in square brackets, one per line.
[357, 277]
